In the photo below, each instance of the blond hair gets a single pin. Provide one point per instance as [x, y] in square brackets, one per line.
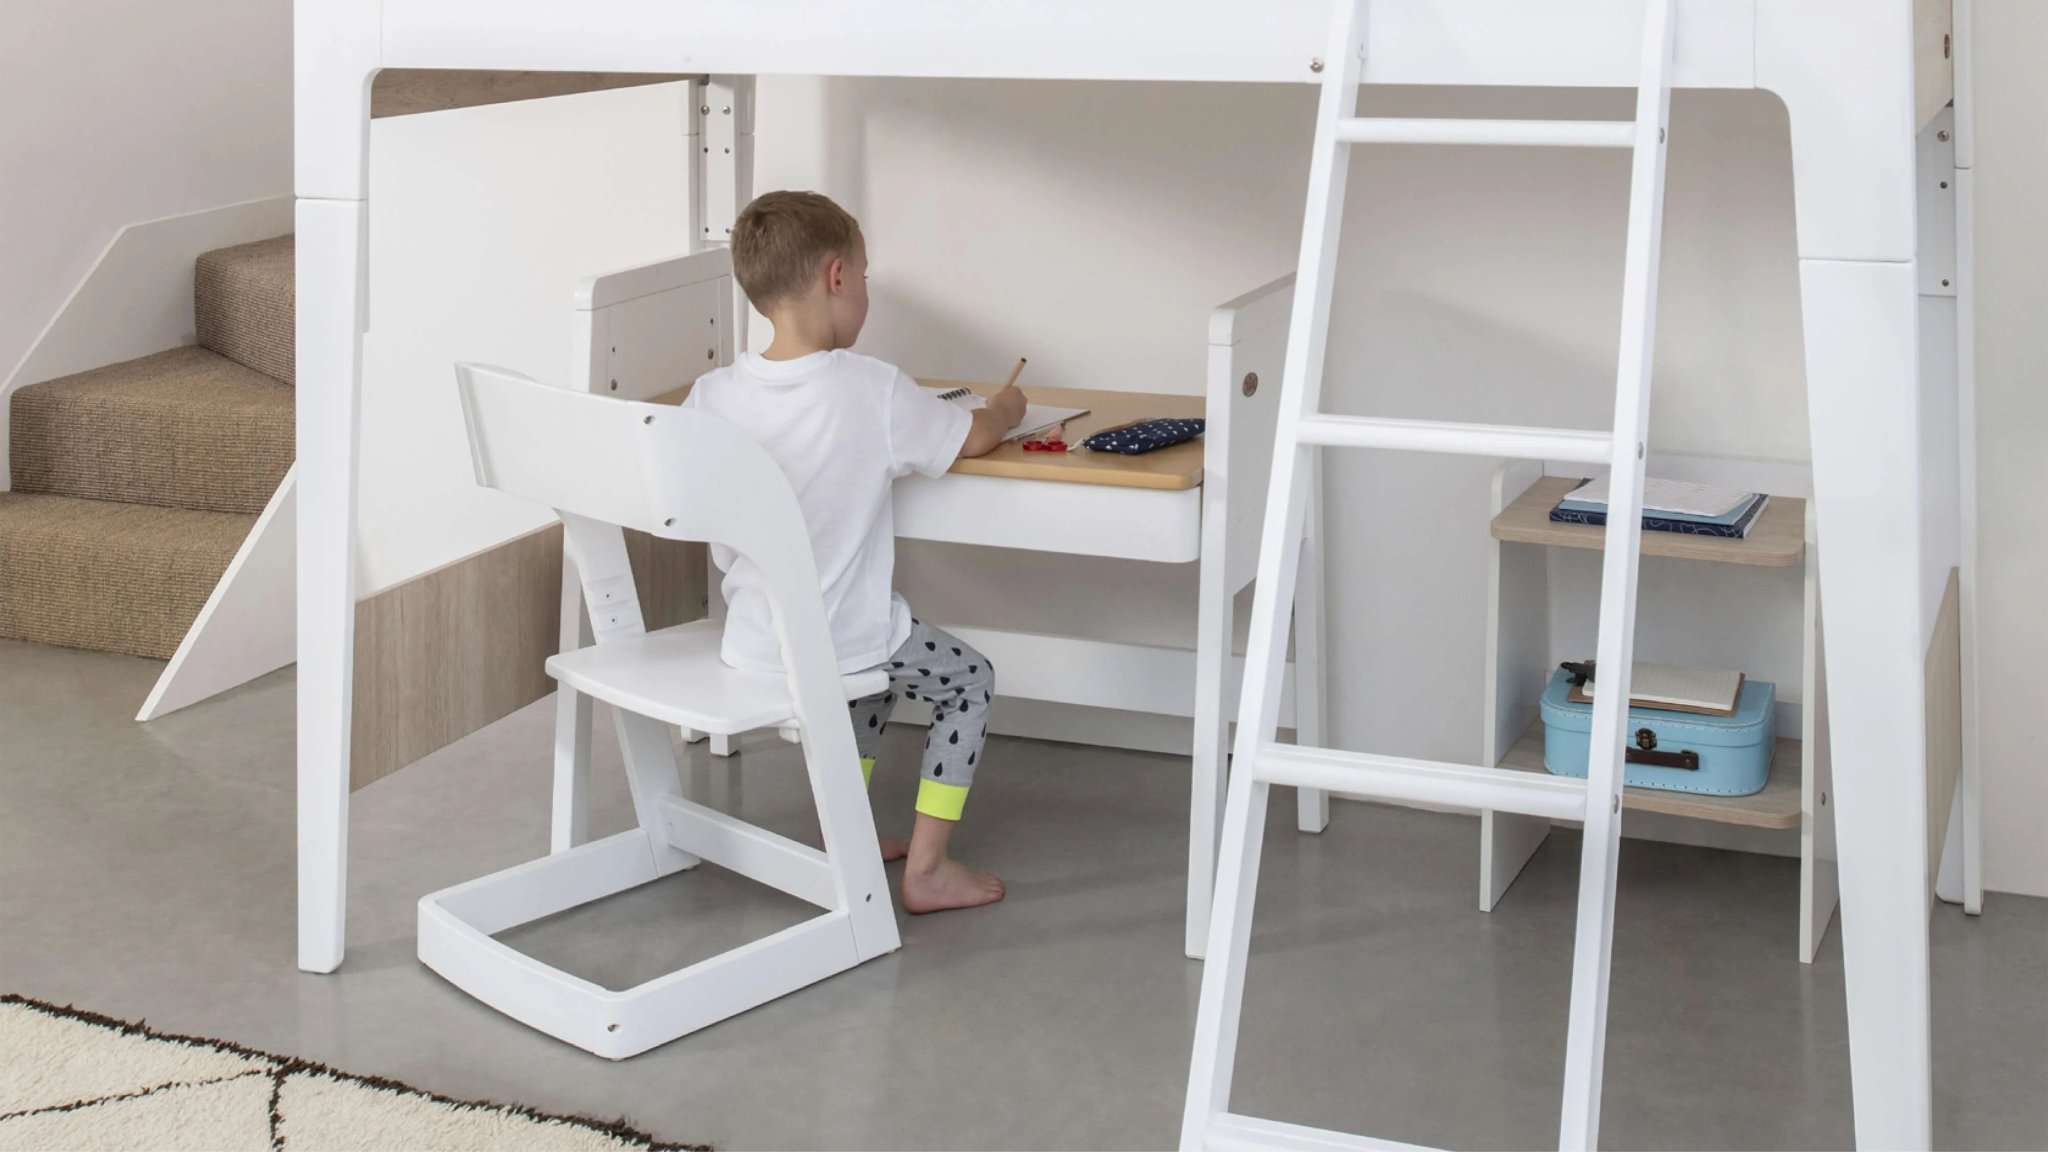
[781, 238]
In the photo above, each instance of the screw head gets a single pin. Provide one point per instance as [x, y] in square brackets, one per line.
[1944, 183]
[647, 419]
[704, 109]
[727, 109]
[1315, 64]
[1944, 282]
[711, 353]
[1942, 135]
[1251, 383]
[615, 385]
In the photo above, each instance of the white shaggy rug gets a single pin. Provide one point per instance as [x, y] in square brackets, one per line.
[72, 1080]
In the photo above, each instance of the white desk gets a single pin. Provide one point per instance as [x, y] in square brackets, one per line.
[641, 332]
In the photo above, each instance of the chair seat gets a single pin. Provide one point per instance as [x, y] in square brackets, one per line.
[675, 676]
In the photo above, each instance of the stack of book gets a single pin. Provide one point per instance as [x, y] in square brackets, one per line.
[1670, 506]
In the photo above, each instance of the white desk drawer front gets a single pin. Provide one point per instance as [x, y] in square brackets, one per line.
[1044, 516]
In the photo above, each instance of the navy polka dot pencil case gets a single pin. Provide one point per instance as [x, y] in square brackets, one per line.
[1143, 436]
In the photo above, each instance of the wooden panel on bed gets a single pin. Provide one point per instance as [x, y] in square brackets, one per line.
[407, 91]
[1944, 720]
[448, 652]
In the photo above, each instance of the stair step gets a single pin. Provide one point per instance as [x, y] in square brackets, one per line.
[1521, 133]
[186, 428]
[1459, 439]
[1407, 781]
[110, 577]
[243, 300]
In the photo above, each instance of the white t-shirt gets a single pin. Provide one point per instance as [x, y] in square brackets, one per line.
[843, 427]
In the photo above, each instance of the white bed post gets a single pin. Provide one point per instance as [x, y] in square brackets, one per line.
[336, 53]
[727, 182]
[1971, 785]
[1844, 70]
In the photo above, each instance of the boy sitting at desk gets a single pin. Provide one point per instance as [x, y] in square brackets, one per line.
[844, 427]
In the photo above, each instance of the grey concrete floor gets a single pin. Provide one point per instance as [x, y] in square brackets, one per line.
[147, 872]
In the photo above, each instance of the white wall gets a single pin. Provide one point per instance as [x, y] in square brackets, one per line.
[119, 111]
[1092, 227]
[2012, 362]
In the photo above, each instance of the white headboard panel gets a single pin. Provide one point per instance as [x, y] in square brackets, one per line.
[1247, 344]
[647, 331]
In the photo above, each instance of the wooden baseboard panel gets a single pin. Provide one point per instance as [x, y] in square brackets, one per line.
[448, 652]
[409, 91]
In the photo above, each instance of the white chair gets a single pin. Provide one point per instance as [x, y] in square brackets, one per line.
[605, 465]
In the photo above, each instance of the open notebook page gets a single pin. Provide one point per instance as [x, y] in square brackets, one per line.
[1037, 417]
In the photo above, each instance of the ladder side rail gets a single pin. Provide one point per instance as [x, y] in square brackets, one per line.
[1237, 875]
[1586, 1040]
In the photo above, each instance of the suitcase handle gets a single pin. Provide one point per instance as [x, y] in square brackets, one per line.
[1645, 752]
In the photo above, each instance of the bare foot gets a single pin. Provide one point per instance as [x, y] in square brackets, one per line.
[950, 885]
[894, 848]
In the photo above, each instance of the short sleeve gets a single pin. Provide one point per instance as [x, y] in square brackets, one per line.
[925, 432]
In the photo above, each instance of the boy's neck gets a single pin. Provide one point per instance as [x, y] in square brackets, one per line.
[798, 333]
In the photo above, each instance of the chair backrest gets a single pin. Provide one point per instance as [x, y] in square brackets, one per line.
[605, 464]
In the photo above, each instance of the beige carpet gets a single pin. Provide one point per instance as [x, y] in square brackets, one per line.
[72, 1080]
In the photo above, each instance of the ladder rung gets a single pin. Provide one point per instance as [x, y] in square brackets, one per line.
[1463, 786]
[1459, 439]
[1531, 133]
[1230, 1132]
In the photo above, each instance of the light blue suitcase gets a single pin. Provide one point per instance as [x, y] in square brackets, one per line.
[1675, 751]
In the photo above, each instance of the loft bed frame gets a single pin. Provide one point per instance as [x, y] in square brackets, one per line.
[1860, 80]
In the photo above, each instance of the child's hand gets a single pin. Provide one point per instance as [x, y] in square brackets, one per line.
[1000, 413]
[1008, 406]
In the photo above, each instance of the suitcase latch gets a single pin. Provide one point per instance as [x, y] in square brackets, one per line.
[1645, 752]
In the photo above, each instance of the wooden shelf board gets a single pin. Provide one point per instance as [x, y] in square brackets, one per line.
[1777, 806]
[1777, 540]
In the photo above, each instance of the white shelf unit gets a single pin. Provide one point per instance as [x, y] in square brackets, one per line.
[1794, 808]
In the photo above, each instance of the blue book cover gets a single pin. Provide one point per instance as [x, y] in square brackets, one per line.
[1735, 531]
[1733, 516]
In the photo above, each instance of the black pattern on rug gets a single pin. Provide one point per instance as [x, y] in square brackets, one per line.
[285, 1067]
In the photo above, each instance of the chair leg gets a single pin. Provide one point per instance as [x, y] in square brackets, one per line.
[652, 776]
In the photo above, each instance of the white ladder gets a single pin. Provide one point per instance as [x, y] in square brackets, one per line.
[1260, 763]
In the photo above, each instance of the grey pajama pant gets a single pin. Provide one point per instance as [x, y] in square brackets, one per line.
[959, 683]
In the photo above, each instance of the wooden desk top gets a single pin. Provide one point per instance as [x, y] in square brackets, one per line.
[1174, 469]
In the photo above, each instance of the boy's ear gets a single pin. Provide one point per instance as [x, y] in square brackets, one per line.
[835, 275]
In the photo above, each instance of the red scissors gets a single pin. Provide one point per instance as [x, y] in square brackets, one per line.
[1048, 441]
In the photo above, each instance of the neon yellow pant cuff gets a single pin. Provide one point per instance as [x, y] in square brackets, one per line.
[867, 769]
[940, 800]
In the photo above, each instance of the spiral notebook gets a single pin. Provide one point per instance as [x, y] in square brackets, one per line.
[1037, 417]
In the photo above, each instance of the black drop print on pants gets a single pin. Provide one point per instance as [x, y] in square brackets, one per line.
[970, 759]
[954, 738]
[930, 647]
[874, 721]
[939, 771]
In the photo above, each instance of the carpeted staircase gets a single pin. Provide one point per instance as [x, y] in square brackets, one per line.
[134, 484]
